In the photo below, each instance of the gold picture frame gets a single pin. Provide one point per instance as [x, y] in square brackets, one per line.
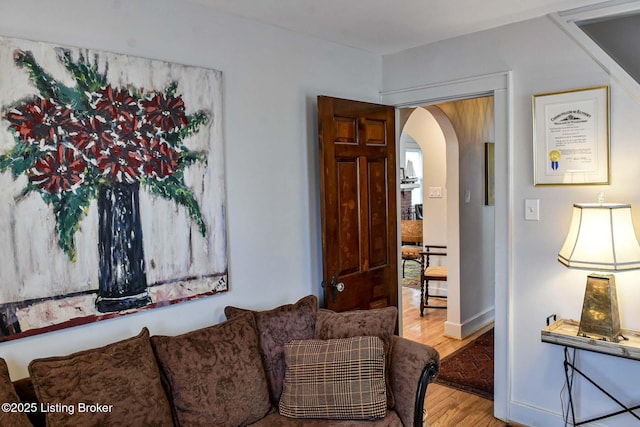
[571, 137]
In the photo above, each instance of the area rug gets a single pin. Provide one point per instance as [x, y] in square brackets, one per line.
[411, 277]
[470, 368]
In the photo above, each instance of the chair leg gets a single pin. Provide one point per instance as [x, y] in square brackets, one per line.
[426, 298]
[426, 293]
[403, 261]
[422, 300]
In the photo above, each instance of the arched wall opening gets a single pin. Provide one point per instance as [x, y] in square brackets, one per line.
[433, 132]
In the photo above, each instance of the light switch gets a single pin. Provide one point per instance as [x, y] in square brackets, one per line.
[532, 209]
[435, 192]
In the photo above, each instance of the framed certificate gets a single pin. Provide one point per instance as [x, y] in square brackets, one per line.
[571, 137]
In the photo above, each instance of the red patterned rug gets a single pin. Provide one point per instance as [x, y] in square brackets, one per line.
[470, 368]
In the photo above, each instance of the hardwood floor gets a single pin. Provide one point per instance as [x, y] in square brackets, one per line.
[446, 407]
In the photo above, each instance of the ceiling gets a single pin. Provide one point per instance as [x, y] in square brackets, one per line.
[385, 26]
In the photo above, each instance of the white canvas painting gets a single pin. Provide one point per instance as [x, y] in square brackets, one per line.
[112, 192]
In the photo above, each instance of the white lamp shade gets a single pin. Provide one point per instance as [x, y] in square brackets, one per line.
[601, 237]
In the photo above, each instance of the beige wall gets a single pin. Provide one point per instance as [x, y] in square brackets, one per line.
[473, 122]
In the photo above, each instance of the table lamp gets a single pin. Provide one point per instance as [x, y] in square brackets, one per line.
[602, 238]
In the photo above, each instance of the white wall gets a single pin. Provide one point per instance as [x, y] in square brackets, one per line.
[543, 59]
[271, 78]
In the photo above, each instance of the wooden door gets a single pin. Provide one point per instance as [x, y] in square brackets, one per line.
[358, 203]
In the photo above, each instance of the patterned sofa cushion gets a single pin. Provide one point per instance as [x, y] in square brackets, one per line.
[334, 379]
[277, 327]
[215, 374]
[122, 378]
[12, 415]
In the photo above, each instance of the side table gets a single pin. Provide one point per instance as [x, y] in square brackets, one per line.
[564, 332]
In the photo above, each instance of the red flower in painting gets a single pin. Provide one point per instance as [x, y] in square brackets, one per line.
[39, 119]
[94, 136]
[116, 104]
[161, 159]
[165, 113]
[57, 171]
[128, 131]
[122, 162]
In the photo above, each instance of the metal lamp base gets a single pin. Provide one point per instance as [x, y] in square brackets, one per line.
[600, 316]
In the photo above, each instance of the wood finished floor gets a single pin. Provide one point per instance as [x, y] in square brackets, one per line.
[446, 407]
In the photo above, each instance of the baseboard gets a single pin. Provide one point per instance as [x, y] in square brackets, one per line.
[438, 289]
[468, 327]
[520, 412]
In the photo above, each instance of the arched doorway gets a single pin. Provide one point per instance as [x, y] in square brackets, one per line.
[456, 213]
[434, 134]
[500, 86]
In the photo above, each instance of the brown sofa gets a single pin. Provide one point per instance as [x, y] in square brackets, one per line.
[253, 369]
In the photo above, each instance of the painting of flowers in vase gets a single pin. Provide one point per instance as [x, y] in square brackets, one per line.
[111, 185]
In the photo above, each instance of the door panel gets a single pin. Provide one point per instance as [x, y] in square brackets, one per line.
[378, 218]
[349, 217]
[358, 202]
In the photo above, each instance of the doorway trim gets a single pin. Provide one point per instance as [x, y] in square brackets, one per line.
[501, 87]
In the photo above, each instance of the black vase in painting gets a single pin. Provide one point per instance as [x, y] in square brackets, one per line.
[122, 281]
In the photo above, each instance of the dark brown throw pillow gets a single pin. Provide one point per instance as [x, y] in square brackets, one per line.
[340, 379]
[215, 374]
[379, 323]
[14, 412]
[277, 327]
[118, 384]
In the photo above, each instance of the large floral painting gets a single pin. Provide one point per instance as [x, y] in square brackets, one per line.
[111, 186]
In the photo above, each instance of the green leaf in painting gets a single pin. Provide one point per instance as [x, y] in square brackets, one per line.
[20, 158]
[87, 76]
[69, 208]
[45, 83]
[174, 188]
[195, 121]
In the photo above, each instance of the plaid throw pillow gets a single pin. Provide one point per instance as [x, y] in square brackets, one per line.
[340, 379]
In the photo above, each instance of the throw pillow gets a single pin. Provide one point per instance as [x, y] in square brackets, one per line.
[118, 384]
[379, 322]
[14, 412]
[340, 379]
[215, 374]
[277, 327]
[26, 393]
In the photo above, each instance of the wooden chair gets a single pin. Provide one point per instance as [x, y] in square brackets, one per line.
[431, 272]
[411, 235]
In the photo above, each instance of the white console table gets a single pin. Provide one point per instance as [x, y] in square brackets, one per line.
[564, 332]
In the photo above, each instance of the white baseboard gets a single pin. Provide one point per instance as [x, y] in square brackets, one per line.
[469, 326]
[438, 289]
[525, 414]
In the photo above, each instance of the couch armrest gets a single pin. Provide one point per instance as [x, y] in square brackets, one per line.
[413, 367]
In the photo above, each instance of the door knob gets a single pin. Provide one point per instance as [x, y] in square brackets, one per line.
[335, 287]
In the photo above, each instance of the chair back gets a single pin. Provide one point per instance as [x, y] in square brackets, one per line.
[411, 231]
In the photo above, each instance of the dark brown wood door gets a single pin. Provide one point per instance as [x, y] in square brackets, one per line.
[358, 203]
